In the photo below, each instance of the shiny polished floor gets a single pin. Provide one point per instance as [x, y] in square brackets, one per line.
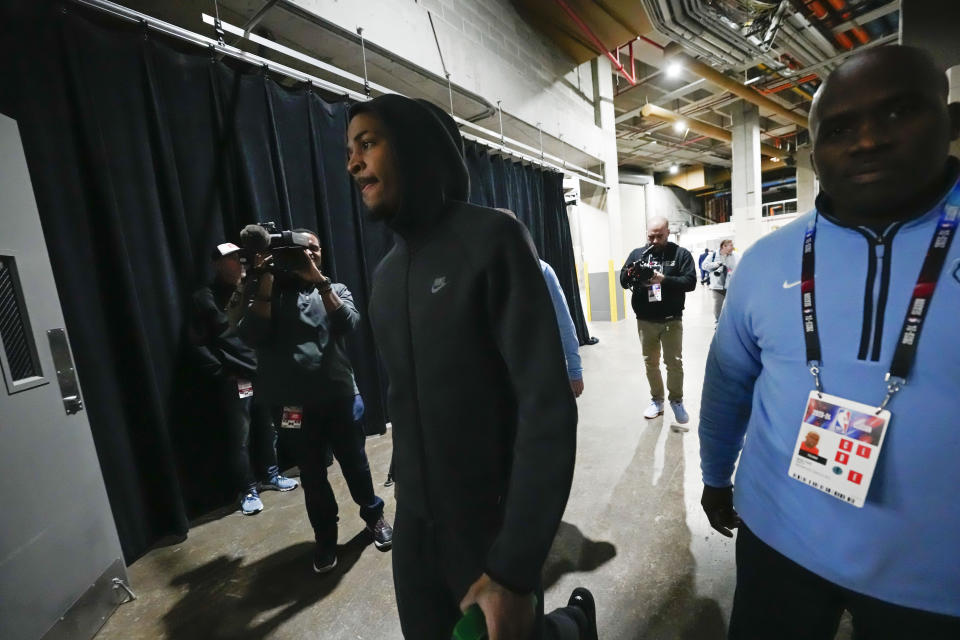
[633, 533]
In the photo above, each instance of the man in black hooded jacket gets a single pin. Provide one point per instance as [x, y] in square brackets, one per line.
[484, 421]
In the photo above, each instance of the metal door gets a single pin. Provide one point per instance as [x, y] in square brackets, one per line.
[59, 550]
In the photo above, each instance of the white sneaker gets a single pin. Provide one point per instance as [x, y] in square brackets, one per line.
[655, 409]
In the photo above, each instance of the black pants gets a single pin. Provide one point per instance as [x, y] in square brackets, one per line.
[434, 566]
[777, 598]
[250, 433]
[331, 424]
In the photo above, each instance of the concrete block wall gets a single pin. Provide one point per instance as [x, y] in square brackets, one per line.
[488, 48]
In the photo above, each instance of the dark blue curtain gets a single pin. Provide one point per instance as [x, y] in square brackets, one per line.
[536, 196]
[144, 153]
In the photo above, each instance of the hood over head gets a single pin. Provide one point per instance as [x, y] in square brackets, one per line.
[428, 149]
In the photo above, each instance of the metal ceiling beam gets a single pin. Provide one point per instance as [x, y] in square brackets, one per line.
[667, 97]
[705, 128]
[714, 77]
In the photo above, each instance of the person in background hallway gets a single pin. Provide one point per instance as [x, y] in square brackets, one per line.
[704, 275]
[299, 329]
[881, 129]
[658, 304]
[568, 332]
[719, 267]
[231, 368]
[484, 422]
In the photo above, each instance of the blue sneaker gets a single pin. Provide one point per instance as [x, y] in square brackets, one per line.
[250, 504]
[679, 413]
[279, 483]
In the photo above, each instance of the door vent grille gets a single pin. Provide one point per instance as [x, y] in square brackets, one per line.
[14, 329]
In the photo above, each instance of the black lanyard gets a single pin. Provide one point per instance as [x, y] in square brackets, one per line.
[906, 351]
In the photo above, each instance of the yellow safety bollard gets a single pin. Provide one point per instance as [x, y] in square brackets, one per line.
[613, 292]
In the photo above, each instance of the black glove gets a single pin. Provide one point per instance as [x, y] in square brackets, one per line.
[718, 505]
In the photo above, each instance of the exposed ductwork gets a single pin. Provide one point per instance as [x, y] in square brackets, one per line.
[714, 77]
[670, 20]
[735, 33]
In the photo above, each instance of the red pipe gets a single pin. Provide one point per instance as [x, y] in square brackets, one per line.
[817, 10]
[788, 85]
[649, 41]
[602, 48]
[861, 34]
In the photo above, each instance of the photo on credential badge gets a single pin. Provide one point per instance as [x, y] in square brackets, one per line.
[855, 425]
[837, 447]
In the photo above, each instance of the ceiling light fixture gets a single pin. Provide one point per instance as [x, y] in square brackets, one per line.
[679, 126]
[674, 169]
[673, 70]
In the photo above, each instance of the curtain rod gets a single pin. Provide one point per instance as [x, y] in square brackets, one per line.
[526, 158]
[131, 15]
[363, 82]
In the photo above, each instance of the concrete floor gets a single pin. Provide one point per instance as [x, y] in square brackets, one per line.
[633, 533]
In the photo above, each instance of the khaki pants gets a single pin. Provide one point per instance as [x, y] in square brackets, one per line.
[669, 334]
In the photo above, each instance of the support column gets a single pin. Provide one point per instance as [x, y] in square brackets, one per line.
[807, 185]
[606, 120]
[746, 183]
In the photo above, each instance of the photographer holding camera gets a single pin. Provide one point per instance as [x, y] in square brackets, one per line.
[660, 275]
[720, 265]
[227, 369]
[297, 320]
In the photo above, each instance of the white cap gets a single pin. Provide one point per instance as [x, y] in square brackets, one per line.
[227, 248]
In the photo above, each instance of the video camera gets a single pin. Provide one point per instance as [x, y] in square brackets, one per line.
[638, 274]
[285, 246]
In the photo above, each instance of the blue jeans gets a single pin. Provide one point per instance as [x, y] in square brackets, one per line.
[250, 432]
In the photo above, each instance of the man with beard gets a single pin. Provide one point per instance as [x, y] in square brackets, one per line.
[299, 325]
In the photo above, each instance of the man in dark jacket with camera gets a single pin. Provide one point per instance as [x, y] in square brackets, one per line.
[660, 275]
[298, 325]
[484, 420]
[229, 367]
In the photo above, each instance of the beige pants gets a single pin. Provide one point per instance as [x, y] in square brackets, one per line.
[669, 336]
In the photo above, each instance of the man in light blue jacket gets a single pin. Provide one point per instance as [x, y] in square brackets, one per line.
[568, 333]
[853, 304]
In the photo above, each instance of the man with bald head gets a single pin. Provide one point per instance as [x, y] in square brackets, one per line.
[660, 274]
[855, 304]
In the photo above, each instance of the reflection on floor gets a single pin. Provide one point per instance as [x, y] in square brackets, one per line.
[633, 533]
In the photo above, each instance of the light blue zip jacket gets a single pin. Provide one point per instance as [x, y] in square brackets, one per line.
[903, 546]
[568, 333]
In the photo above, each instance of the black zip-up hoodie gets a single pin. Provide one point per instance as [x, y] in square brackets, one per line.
[679, 277]
[484, 421]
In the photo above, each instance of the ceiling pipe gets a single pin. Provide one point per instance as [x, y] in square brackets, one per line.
[602, 49]
[661, 14]
[711, 75]
[704, 128]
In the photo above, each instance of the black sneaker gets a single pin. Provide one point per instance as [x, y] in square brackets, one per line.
[582, 599]
[382, 534]
[324, 559]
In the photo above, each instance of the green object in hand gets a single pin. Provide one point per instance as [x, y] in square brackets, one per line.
[472, 626]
